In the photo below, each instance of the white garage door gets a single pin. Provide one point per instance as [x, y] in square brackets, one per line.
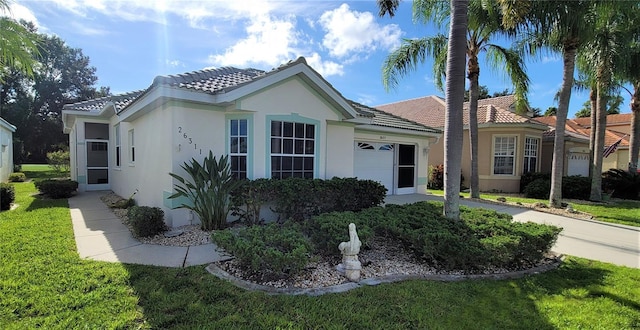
[374, 161]
[578, 164]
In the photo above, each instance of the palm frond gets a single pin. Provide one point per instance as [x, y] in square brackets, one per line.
[410, 54]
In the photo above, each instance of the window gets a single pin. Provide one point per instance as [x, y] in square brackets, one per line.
[118, 153]
[292, 150]
[504, 151]
[238, 141]
[132, 148]
[530, 154]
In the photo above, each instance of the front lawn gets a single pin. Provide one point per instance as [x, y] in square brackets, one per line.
[43, 283]
[625, 212]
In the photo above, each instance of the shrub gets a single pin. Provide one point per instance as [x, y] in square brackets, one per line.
[57, 188]
[146, 221]
[7, 196]
[529, 177]
[622, 183]
[59, 160]
[299, 199]
[269, 252]
[538, 188]
[208, 190]
[17, 177]
[576, 187]
[436, 177]
[327, 231]
[249, 197]
[17, 167]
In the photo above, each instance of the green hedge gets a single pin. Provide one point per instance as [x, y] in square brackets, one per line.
[267, 252]
[573, 187]
[17, 177]
[7, 196]
[146, 221]
[483, 239]
[299, 199]
[57, 188]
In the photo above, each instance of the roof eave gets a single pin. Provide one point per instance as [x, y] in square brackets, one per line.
[386, 129]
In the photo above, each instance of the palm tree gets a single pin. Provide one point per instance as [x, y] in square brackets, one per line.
[561, 26]
[454, 94]
[604, 53]
[18, 45]
[484, 23]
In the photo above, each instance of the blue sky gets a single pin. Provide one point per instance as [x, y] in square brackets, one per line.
[132, 41]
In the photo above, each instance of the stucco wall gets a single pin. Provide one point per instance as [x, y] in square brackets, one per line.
[6, 153]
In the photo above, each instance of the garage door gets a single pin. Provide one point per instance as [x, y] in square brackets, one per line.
[374, 161]
[578, 164]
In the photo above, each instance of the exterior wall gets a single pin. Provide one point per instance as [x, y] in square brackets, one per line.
[423, 150]
[339, 161]
[6, 153]
[618, 159]
[487, 180]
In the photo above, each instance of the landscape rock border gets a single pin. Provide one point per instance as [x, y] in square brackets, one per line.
[222, 274]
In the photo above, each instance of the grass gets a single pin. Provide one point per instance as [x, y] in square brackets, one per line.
[43, 283]
[625, 212]
[41, 171]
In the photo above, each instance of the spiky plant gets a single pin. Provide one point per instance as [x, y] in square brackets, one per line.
[207, 189]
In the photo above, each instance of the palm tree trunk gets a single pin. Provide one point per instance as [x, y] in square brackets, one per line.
[593, 98]
[634, 145]
[473, 75]
[598, 144]
[454, 99]
[557, 171]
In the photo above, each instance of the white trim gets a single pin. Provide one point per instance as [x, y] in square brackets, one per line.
[515, 154]
[538, 150]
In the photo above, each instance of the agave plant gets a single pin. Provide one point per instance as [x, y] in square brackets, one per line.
[207, 189]
[622, 184]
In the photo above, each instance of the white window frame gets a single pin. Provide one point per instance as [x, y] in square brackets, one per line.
[504, 153]
[118, 150]
[305, 155]
[526, 154]
[236, 150]
[132, 147]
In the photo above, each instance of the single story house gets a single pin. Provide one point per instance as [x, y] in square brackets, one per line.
[577, 136]
[6, 149]
[288, 122]
[509, 144]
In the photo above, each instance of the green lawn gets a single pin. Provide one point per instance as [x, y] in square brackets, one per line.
[43, 283]
[625, 212]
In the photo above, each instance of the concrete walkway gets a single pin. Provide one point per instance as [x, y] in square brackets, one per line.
[613, 243]
[100, 235]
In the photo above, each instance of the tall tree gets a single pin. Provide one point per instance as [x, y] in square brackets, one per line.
[414, 53]
[484, 24]
[613, 106]
[610, 37]
[34, 104]
[561, 26]
[18, 45]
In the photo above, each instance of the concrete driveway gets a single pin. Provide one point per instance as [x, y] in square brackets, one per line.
[617, 244]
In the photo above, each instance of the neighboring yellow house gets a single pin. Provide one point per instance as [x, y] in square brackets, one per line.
[508, 144]
[577, 133]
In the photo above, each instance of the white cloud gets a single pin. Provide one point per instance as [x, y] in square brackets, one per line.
[550, 59]
[325, 69]
[19, 12]
[270, 41]
[174, 63]
[350, 32]
[88, 30]
[366, 99]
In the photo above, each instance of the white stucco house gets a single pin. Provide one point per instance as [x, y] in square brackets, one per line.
[6, 149]
[288, 122]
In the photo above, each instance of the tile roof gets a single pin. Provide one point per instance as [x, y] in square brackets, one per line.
[95, 105]
[430, 111]
[222, 80]
[574, 127]
[385, 119]
[616, 119]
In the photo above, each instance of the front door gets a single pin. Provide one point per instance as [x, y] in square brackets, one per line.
[406, 169]
[97, 165]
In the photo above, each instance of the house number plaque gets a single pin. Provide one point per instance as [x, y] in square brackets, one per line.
[188, 139]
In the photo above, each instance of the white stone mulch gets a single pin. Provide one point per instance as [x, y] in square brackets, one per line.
[382, 258]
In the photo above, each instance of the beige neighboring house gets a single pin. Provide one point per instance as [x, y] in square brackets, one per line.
[577, 134]
[508, 144]
[6, 149]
